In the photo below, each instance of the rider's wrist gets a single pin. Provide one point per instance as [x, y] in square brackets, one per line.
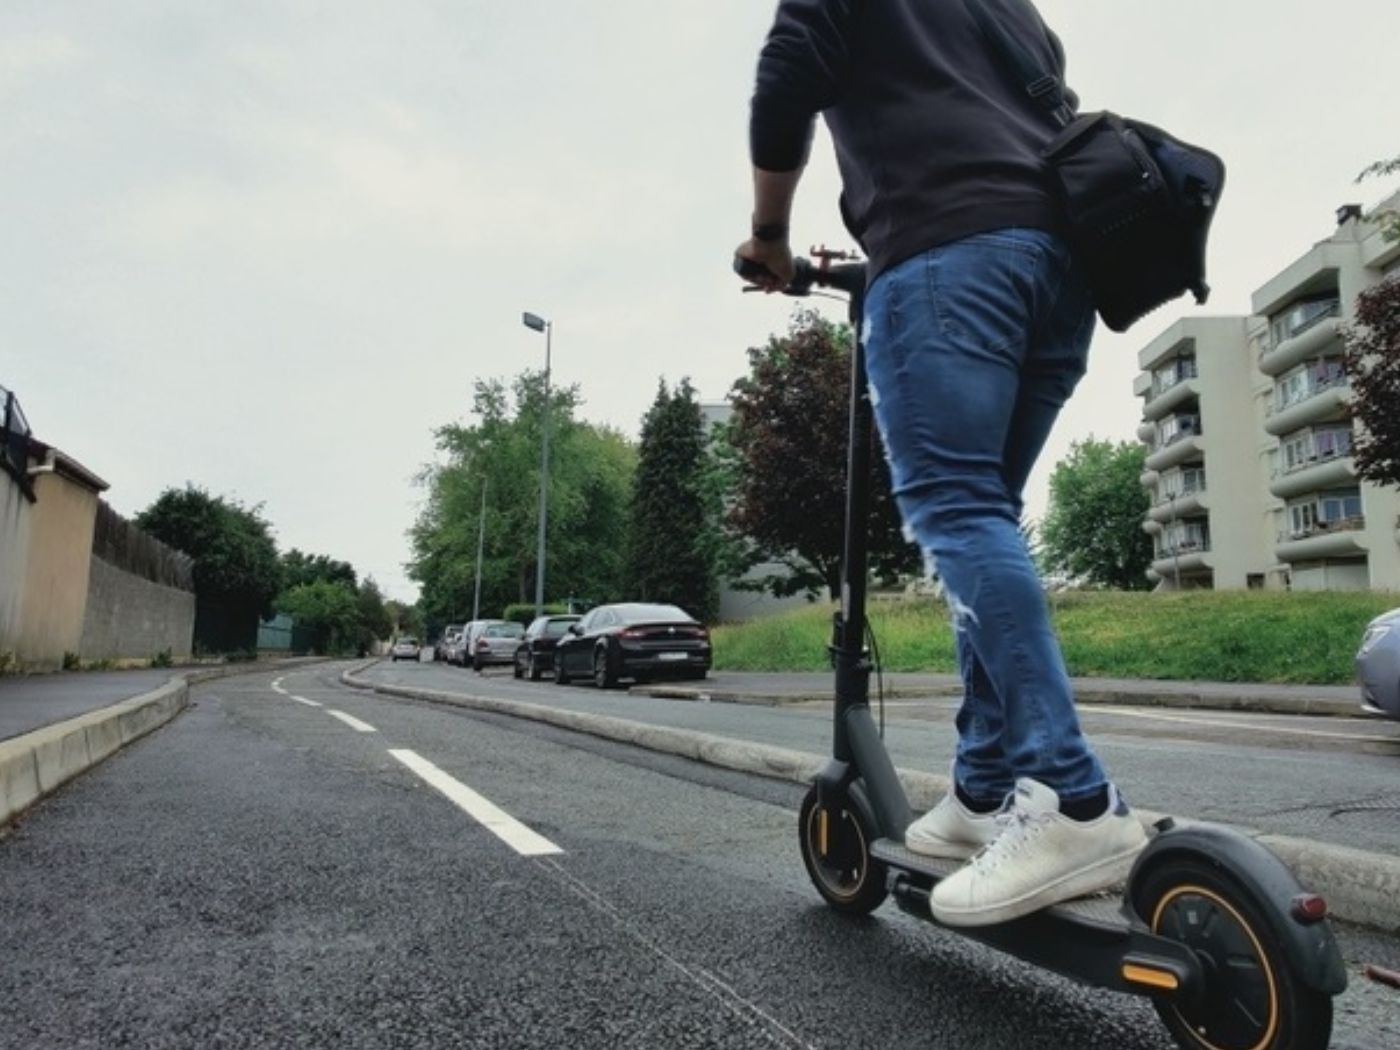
[770, 232]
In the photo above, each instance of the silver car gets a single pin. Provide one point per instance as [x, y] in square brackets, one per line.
[493, 642]
[1378, 665]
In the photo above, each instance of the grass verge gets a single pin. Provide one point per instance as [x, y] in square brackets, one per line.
[1218, 636]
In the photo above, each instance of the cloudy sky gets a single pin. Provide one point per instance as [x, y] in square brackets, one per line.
[267, 245]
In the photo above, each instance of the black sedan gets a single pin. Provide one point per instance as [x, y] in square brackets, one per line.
[535, 656]
[633, 640]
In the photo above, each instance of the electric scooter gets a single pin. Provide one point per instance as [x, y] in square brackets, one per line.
[1211, 926]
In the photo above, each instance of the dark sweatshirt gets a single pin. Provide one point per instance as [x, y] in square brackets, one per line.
[935, 139]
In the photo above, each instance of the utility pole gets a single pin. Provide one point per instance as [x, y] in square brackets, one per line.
[480, 548]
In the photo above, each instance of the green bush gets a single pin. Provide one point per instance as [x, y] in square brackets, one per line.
[70, 661]
[1221, 636]
[163, 659]
[524, 613]
[6, 659]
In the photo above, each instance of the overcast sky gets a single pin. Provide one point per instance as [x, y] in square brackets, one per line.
[267, 245]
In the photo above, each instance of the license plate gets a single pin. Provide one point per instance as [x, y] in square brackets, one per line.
[671, 656]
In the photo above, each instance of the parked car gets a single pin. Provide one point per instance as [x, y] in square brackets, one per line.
[633, 640]
[456, 650]
[535, 654]
[405, 648]
[492, 642]
[450, 634]
[1378, 665]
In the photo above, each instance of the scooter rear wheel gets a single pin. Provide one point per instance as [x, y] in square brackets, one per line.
[835, 842]
[1251, 1000]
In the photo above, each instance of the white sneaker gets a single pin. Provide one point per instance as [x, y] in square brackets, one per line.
[951, 830]
[1040, 858]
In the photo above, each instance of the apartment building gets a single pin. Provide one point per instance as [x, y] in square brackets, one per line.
[1249, 469]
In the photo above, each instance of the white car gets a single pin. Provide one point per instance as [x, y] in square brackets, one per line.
[405, 649]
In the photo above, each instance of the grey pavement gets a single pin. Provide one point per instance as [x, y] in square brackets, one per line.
[259, 873]
[29, 702]
[1329, 779]
[787, 687]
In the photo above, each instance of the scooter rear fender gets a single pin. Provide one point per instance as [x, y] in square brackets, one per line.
[1309, 946]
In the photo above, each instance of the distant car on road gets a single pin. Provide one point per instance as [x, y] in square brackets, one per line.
[633, 640]
[405, 649]
[455, 651]
[492, 642]
[1378, 665]
[450, 634]
[535, 654]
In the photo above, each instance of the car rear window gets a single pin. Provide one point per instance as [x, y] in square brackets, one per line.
[408, 641]
[505, 630]
[558, 628]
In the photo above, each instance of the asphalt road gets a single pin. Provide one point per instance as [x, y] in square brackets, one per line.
[264, 872]
[1332, 779]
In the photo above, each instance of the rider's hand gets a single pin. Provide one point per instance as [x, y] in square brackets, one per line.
[775, 256]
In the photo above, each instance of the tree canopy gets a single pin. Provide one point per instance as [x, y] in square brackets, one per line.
[1093, 528]
[236, 570]
[789, 464]
[1373, 366]
[674, 511]
[590, 477]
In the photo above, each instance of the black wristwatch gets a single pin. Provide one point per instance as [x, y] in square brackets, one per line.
[770, 231]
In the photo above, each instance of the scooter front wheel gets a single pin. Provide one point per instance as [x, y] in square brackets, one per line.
[1250, 1000]
[835, 840]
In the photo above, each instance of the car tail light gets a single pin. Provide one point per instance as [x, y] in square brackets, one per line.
[482, 643]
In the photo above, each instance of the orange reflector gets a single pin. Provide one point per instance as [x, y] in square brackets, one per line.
[821, 831]
[1150, 978]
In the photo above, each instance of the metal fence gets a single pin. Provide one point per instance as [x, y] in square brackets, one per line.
[14, 441]
[118, 542]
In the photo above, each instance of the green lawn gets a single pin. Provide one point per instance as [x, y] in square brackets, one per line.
[1226, 636]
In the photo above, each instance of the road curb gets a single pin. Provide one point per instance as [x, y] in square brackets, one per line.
[1361, 887]
[1192, 701]
[34, 764]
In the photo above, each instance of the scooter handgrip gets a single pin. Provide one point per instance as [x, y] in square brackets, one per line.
[750, 270]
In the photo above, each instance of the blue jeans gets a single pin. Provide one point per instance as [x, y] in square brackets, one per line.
[972, 349]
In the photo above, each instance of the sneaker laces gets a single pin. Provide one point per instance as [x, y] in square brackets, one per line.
[1018, 827]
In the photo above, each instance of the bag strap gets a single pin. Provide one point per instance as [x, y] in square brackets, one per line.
[1045, 89]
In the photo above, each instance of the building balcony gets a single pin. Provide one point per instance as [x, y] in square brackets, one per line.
[1171, 398]
[1305, 344]
[1335, 472]
[1147, 431]
[1179, 449]
[1333, 539]
[1186, 560]
[1323, 403]
[1184, 505]
[1152, 528]
[1142, 385]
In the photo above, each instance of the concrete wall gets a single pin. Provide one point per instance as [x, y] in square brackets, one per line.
[56, 575]
[15, 514]
[1351, 576]
[129, 617]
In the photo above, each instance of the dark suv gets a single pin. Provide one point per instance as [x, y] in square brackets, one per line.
[535, 657]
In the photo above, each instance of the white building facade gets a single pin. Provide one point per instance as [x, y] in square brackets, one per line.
[1250, 470]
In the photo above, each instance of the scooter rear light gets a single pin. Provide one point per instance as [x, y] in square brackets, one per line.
[1309, 908]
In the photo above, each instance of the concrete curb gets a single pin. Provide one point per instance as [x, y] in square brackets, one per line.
[1360, 887]
[1195, 700]
[35, 763]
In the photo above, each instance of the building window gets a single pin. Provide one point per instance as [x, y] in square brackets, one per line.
[1318, 445]
[1254, 581]
[1302, 315]
[1332, 511]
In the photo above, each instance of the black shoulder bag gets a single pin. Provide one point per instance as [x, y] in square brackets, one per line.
[1139, 202]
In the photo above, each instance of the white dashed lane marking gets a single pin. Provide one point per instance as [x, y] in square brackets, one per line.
[514, 834]
[308, 703]
[350, 720]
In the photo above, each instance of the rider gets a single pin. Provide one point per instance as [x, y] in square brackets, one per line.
[977, 327]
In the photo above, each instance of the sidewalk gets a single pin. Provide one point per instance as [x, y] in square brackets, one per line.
[29, 702]
[792, 688]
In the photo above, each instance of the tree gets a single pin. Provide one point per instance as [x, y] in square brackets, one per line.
[673, 515]
[590, 476]
[372, 614]
[1093, 529]
[1372, 364]
[1388, 219]
[404, 619]
[236, 571]
[789, 463]
[329, 611]
[299, 568]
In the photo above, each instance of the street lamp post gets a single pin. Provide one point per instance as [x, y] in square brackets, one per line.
[539, 324]
[480, 549]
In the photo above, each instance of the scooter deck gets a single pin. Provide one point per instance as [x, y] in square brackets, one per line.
[1104, 909]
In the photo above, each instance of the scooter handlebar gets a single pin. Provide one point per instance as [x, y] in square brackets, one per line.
[845, 277]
